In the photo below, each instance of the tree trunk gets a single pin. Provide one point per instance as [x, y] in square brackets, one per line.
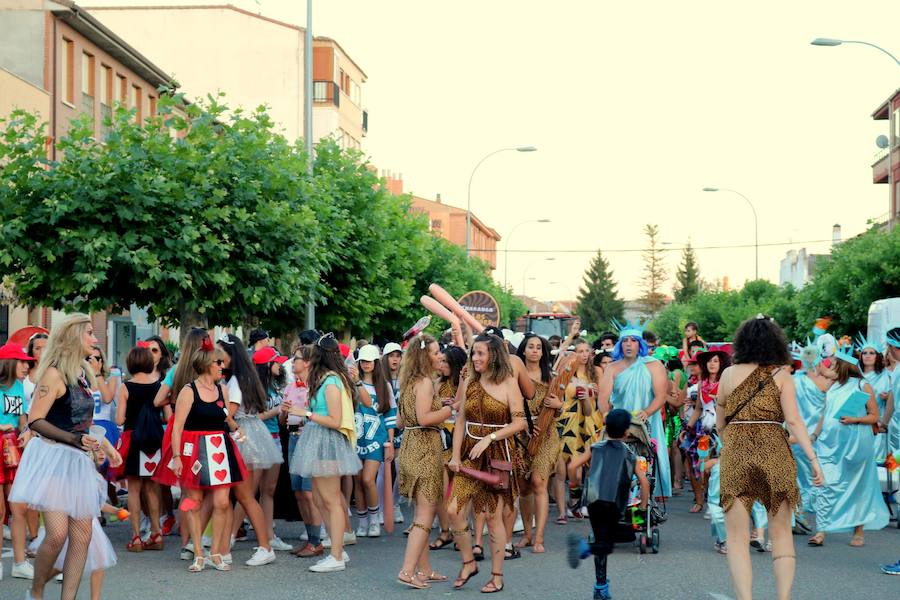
[189, 318]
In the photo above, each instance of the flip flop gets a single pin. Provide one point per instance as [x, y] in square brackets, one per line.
[439, 543]
[816, 541]
[858, 541]
[696, 508]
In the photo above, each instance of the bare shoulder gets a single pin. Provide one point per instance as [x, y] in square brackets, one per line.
[616, 367]
[656, 367]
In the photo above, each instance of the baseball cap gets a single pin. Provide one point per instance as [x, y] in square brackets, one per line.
[369, 352]
[13, 351]
[267, 355]
[258, 334]
[345, 349]
[391, 347]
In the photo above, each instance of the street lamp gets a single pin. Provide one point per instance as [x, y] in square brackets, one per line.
[506, 245]
[836, 42]
[469, 200]
[525, 272]
[755, 222]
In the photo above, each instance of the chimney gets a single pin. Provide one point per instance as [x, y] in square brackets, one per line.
[438, 199]
[836, 234]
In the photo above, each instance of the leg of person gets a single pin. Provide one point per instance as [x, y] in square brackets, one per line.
[858, 540]
[151, 495]
[17, 530]
[252, 509]
[168, 507]
[416, 570]
[251, 486]
[359, 500]
[370, 490]
[330, 489]
[194, 528]
[677, 466]
[737, 524]
[267, 485]
[559, 490]
[56, 530]
[134, 513]
[497, 532]
[96, 584]
[526, 509]
[221, 507]
[444, 538]
[604, 518]
[784, 559]
[80, 531]
[478, 548]
[509, 521]
[462, 535]
[541, 505]
[697, 487]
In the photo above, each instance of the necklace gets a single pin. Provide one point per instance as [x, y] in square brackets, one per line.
[206, 386]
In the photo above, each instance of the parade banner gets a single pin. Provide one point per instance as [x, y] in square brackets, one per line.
[483, 307]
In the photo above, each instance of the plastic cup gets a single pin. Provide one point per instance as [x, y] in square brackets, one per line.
[97, 432]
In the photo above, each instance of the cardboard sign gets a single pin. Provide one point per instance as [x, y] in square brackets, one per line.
[214, 458]
[149, 463]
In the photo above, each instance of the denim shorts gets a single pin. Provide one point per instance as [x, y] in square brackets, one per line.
[298, 484]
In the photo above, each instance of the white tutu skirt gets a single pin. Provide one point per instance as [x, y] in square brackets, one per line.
[258, 450]
[101, 555]
[54, 477]
[323, 452]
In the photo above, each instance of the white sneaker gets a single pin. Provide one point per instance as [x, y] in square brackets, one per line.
[345, 557]
[277, 543]
[326, 541]
[363, 528]
[58, 578]
[304, 537]
[33, 544]
[228, 559]
[329, 564]
[349, 538]
[206, 541]
[380, 517]
[261, 557]
[398, 515]
[187, 553]
[23, 570]
[145, 526]
[374, 530]
[519, 526]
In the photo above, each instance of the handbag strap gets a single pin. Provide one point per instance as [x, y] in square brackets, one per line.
[760, 386]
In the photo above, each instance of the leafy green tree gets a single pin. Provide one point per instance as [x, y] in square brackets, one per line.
[653, 299]
[598, 299]
[687, 277]
[199, 216]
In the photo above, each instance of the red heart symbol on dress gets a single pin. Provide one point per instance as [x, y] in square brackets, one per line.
[150, 466]
[218, 457]
[221, 474]
[216, 441]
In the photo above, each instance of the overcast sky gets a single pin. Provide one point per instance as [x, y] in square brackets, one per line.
[634, 107]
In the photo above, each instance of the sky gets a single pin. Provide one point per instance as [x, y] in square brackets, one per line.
[634, 108]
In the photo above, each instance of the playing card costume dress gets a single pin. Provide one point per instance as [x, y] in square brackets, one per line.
[141, 441]
[209, 456]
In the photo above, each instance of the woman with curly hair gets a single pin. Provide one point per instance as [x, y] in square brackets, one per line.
[491, 414]
[421, 455]
[756, 398]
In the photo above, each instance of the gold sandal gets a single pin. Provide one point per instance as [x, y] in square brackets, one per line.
[433, 576]
[412, 581]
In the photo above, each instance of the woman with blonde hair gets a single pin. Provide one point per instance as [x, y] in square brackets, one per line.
[491, 414]
[56, 474]
[421, 454]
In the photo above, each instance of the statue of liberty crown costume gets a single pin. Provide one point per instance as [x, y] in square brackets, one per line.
[633, 391]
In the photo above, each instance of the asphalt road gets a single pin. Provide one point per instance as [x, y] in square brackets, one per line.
[686, 568]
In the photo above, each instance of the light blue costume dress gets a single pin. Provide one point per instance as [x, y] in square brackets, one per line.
[851, 495]
[880, 382]
[810, 401]
[633, 391]
[716, 514]
[894, 425]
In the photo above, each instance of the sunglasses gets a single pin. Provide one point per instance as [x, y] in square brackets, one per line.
[97, 358]
[220, 362]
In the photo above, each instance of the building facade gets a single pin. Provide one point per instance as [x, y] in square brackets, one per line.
[254, 61]
[886, 168]
[59, 61]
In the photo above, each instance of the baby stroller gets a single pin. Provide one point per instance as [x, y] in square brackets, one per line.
[644, 523]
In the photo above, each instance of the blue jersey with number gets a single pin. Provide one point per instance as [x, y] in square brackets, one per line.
[372, 427]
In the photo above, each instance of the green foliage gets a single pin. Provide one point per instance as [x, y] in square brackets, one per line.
[598, 300]
[687, 277]
[653, 298]
[861, 270]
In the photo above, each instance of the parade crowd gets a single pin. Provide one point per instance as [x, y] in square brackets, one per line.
[477, 432]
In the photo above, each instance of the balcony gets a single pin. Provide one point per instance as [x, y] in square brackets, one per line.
[365, 124]
[326, 92]
[880, 166]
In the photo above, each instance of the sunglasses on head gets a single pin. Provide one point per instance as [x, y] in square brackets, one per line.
[225, 340]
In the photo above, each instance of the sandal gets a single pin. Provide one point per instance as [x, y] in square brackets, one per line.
[511, 553]
[433, 576]
[479, 556]
[135, 545]
[463, 580]
[858, 541]
[219, 566]
[492, 588]
[816, 540]
[538, 548]
[696, 508]
[198, 565]
[525, 542]
[441, 541]
[411, 581]
[561, 520]
[154, 543]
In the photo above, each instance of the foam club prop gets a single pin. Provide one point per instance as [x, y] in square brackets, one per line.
[441, 295]
[416, 329]
[547, 416]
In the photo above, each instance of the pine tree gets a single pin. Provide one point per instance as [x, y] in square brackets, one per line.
[688, 275]
[598, 300]
[653, 300]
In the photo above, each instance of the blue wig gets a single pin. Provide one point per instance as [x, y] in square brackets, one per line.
[643, 349]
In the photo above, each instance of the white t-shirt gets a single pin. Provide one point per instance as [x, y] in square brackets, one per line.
[102, 410]
[30, 386]
[235, 396]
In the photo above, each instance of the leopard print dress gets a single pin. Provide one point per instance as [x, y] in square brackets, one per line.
[757, 462]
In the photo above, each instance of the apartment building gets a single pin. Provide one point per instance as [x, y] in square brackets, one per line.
[58, 60]
[254, 60]
[886, 168]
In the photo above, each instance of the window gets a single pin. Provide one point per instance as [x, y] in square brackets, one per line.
[66, 60]
[341, 81]
[152, 106]
[106, 85]
[135, 100]
[896, 119]
[88, 83]
[121, 89]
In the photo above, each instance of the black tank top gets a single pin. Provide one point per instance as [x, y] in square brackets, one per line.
[74, 410]
[206, 416]
[139, 395]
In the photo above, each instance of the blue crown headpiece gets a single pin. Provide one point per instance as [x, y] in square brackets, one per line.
[862, 342]
[845, 353]
[629, 329]
[893, 340]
